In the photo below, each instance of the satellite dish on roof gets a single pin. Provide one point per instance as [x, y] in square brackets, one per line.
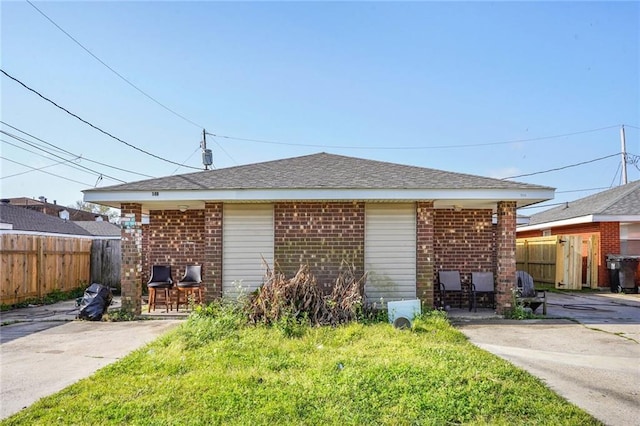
[64, 214]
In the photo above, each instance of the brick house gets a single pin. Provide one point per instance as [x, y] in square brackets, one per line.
[55, 209]
[399, 223]
[613, 216]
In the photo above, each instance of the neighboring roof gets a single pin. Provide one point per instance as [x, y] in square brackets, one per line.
[22, 219]
[319, 177]
[616, 204]
[319, 171]
[100, 228]
[54, 209]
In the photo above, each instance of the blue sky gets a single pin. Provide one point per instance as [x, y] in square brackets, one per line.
[365, 79]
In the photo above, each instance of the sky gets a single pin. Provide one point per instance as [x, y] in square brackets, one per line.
[494, 89]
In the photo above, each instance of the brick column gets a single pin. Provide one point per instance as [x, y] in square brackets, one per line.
[505, 255]
[212, 268]
[425, 271]
[609, 244]
[131, 269]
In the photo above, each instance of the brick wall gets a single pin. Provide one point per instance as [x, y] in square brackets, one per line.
[425, 256]
[463, 241]
[609, 244]
[176, 238]
[322, 234]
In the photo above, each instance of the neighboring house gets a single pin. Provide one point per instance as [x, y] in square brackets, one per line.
[613, 216]
[399, 223]
[41, 253]
[54, 209]
[14, 219]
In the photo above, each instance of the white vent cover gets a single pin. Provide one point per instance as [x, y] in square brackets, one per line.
[402, 312]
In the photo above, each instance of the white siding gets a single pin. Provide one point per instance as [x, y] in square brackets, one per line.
[630, 239]
[390, 251]
[247, 237]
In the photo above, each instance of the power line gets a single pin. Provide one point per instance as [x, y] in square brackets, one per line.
[78, 166]
[582, 190]
[92, 125]
[562, 168]
[75, 155]
[188, 158]
[40, 170]
[413, 147]
[114, 71]
[546, 205]
[615, 175]
[221, 147]
[631, 125]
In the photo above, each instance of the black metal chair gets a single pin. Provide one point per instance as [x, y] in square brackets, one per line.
[449, 282]
[191, 284]
[160, 279]
[482, 284]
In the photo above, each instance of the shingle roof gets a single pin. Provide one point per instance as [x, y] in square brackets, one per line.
[622, 200]
[29, 220]
[100, 229]
[320, 171]
[53, 209]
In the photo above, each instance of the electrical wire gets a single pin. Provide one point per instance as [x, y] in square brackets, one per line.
[76, 155]
[65, 162]
[221, 147]
[616, 175]
[562, 168]
[631, 125]
[42, 171]
[40, 168]
[188, 158]
[546, 205]
[94, 126]
[413, 147]
[114, 71]
[78, 166]
[583, 190]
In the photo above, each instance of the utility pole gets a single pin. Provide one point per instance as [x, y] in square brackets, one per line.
[624, 155]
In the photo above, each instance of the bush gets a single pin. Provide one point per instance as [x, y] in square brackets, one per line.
[300, 298]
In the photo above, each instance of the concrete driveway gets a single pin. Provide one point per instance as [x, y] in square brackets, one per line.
[42, 351]
[592, 358]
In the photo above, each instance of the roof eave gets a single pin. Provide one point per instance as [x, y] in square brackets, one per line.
[522, 196]
[580, 220]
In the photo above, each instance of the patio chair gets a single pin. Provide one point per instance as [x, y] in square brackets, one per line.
[160, 279]
[191, 285]
[449, 282]
[482, 285]
[527, 295]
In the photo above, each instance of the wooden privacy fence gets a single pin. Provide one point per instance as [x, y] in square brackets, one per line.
[567, 261]
[106, 258]
[35, 265]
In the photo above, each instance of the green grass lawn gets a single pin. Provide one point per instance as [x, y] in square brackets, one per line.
[217, 370]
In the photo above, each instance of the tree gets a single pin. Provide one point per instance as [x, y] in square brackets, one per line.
[112, 214]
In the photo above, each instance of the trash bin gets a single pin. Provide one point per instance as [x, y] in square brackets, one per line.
[628, 268]
[613, 266]
[622, 273]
